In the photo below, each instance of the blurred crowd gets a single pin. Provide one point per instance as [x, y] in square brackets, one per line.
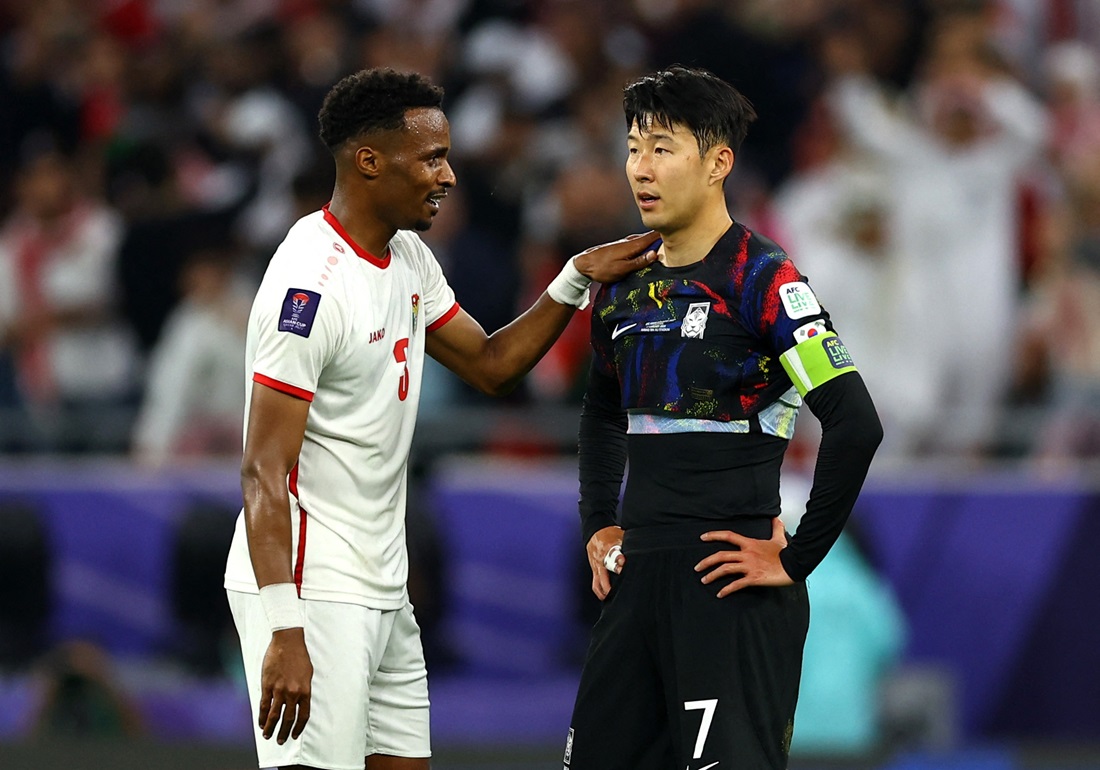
[933, 166]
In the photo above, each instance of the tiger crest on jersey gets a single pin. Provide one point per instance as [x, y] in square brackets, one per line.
[695, 322]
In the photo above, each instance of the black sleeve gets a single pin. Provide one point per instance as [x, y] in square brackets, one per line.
[850, 434]
[602, 443]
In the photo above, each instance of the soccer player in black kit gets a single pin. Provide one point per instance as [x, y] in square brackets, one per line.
[700, 364]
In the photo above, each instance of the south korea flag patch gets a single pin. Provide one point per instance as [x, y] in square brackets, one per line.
[808, 331]
[695, 322]
[798, 299]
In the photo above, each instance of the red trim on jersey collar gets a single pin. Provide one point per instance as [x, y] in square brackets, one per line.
[444, 318]
[282, 387]
[382, 262]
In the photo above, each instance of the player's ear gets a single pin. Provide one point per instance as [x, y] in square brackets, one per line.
[721, 164]
[368, 161]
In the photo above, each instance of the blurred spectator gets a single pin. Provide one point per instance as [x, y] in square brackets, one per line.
[74, 358]
[834, 220]
[200, 116]
[403, 48]
[479, 264]
[257, 125]
[588, 203]
[425, 18]
[81, 698]
[1025, 28]
[484, 272]
[194, 403]
[204, 637]
[100, 81]
[497, 169]
[955, 167]
[164, 227]
[1062, 331]
[430, 572]
[26, 564]
[318, 41]
[33, 92]
[1073, 84]
[856, 638]
[762, 48]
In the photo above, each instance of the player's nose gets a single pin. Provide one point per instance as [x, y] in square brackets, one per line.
[641, 168]
[447, 176]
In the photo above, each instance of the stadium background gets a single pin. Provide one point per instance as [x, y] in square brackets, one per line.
[152, 153]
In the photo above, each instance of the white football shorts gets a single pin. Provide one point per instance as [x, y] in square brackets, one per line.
[370, 684]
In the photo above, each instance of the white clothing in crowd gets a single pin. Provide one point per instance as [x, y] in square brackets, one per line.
[955, 234]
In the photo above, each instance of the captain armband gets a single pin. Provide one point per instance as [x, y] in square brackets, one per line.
[815, 361]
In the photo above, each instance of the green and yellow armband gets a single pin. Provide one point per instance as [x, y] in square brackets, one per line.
[815, 361]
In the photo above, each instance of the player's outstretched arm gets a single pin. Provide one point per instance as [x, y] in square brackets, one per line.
[276, 426]
[495, 363]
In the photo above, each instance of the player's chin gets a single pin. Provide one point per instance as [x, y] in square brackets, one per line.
[651, 219]
[423, 224]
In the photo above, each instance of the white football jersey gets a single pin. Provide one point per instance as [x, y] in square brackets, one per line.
[345, 329]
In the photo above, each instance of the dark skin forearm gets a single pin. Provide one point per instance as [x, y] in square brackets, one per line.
[495, 363]
[276, 426]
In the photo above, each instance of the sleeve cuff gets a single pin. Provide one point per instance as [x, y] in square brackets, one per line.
[791, 567]
[595, 523]
[443, 319]
[282, 387]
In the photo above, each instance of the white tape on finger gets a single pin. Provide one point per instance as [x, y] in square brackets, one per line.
[610, 559]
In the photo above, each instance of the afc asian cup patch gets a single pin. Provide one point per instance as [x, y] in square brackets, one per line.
[809, 331]
[798, 299]
[695, 322]
[415, 309]
[299, 310]
[837, 352]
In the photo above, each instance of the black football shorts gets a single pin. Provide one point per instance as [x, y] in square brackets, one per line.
[677, 678]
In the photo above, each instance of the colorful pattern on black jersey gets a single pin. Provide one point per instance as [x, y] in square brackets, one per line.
[703, 341]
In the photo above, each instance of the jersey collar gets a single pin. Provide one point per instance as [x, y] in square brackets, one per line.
[381, 262]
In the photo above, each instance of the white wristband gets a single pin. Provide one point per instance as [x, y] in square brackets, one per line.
[570, 287]
[282, 607]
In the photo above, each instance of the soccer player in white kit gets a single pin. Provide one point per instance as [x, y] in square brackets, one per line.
[350, 303]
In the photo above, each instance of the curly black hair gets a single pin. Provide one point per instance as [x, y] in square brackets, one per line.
[373, 100]
[711, 108]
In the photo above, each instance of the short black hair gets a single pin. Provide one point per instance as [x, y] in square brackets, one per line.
[714, 111]
[373, 100]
